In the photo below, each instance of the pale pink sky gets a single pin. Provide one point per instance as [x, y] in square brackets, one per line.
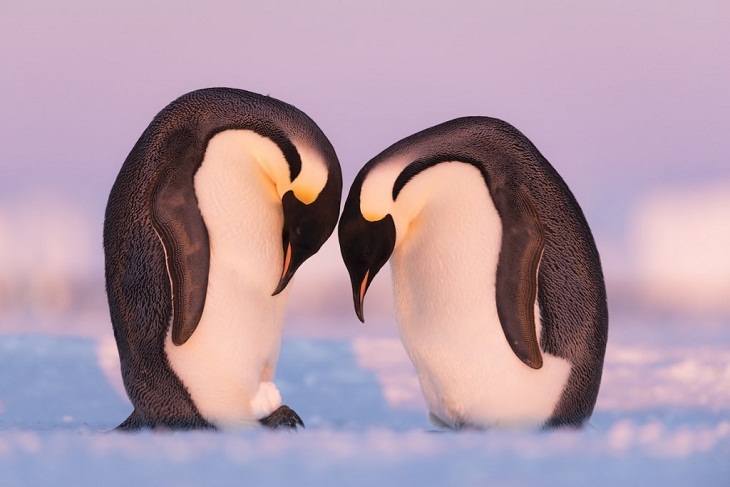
[622, 97]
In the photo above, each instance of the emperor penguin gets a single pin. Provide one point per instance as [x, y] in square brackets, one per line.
[500, 297]
[222, 198]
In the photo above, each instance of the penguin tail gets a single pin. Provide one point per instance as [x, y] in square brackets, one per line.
[133, 422]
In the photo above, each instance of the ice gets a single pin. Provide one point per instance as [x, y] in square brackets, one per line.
[662, 417]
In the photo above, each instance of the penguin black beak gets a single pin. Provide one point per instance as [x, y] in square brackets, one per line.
[358, 294]
[287, 272]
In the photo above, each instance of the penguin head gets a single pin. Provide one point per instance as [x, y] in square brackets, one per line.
[365, 247]
[307, 226]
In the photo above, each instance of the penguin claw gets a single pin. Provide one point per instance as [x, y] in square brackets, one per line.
[282, 417]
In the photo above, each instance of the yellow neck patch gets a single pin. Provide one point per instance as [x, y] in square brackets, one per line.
[313, 176]
[304, 193]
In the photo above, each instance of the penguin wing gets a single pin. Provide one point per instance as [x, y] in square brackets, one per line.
[523, 241]
[184, 237]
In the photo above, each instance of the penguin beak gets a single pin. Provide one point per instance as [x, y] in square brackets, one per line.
[287, 272]
[359, 296]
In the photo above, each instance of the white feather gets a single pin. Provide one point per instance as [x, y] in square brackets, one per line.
[228, 364]
[444, 276]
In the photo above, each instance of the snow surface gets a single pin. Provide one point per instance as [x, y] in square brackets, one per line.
[662, 418]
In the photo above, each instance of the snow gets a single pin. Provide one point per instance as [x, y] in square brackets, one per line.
[662, 418]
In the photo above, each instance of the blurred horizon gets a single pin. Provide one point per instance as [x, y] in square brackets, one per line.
[628, 101]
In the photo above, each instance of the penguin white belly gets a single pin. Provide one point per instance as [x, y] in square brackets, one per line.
[444, 277]
[228, 363]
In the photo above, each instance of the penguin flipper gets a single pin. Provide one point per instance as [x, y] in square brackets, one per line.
[523, 241]
[184, 236]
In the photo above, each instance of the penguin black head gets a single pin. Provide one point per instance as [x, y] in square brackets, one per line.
[306, 228]
[365, 246]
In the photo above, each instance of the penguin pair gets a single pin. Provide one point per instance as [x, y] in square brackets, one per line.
[500, 297]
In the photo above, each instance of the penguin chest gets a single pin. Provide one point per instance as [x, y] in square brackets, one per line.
[228, 363]
[444, 277]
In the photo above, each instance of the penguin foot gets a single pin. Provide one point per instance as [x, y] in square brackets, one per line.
[282, 417]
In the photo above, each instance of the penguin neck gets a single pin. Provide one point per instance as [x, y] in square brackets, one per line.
[376, 196]
[441, 196]
[312, 176]
[445, 217]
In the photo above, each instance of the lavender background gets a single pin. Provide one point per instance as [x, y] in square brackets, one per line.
[628, 100]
